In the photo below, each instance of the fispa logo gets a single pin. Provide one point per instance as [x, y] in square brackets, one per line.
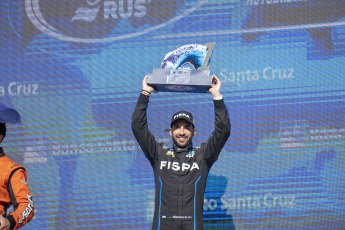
[177, 167]
[181, 115]
[94, 21]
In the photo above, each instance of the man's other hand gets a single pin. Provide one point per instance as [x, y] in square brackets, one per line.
[4, 223]
[215, 87]
[146, 87]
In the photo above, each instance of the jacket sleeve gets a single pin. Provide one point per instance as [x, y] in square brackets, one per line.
[221, 133]
[140, 129]
[21, 198]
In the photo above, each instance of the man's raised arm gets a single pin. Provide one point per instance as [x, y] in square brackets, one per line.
[140, 130]
[221, 132]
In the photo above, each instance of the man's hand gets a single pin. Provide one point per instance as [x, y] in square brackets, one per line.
[4, 223]
[146, 87]
[215, 87]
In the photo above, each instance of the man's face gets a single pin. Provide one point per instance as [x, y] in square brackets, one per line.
[182, 132]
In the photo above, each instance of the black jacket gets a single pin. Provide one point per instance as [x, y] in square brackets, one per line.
[180, 174]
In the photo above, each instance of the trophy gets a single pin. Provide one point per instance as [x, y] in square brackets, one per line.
[185, 69]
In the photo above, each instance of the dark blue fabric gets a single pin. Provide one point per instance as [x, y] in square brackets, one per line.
[8, 115]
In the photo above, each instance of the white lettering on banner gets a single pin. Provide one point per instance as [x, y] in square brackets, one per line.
[210, 204]
[267, 201]
[16, 89]
[176, 166]
[122, 9]
[269, 2]
[70, 149]
[268, 73]
[117, 146]
[271, 74]
[322, 134]
[135, 8]
[100, 146]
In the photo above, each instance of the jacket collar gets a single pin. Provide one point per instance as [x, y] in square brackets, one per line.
[183, 150]
[2, 152]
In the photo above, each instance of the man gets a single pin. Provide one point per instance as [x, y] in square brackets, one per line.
[13, 189]
[180, 172]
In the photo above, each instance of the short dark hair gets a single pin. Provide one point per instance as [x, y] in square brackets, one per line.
[3, 130]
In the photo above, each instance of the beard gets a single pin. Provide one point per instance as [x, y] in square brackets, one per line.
[182, 141]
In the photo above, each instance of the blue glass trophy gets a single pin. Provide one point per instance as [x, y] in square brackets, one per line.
[185, 69]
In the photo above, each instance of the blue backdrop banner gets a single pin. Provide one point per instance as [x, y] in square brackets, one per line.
[74, 69]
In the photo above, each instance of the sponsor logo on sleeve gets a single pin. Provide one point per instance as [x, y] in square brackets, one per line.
[26, 213]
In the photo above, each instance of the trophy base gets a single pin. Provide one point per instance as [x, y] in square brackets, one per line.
[180, 80]
[180, 88]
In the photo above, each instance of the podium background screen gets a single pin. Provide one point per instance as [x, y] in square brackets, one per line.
[73, 70]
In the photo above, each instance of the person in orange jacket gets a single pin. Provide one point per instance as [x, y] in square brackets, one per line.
[13, 191]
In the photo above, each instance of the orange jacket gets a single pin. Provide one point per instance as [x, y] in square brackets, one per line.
[14, 191]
